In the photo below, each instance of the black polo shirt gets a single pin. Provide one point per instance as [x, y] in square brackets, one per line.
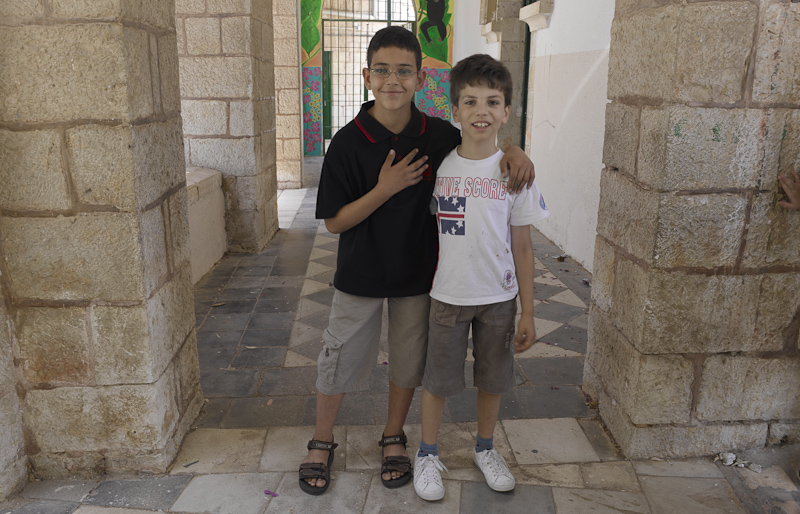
[393, 252]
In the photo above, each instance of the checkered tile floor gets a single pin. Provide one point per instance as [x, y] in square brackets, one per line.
[260, 319]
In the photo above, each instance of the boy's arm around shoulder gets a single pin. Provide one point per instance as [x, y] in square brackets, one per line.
[518, 167]
[791, 185]
[522, 251]
[391, 180]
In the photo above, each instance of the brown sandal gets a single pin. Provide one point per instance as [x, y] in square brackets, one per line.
[312, 470]
[395, 463]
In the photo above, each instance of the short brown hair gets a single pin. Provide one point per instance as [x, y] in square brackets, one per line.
[480, 69]
[397, 37]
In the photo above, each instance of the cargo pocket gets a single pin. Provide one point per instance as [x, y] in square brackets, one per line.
[444, 314]
[329, 357]
[504, 314]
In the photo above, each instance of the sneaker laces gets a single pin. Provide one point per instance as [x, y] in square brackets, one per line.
[429, 464]
[496, 463]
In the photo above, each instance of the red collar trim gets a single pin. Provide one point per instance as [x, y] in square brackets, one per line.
[363, 130]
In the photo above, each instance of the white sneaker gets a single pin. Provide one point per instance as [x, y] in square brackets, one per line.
[427, 477]
[495, 470]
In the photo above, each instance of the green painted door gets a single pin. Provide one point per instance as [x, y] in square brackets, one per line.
[326, 95]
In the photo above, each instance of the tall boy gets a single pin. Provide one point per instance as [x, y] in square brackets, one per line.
[376, 183]
[485, 261]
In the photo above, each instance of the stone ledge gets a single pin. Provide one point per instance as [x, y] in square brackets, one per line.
[491, 31]
[537, 15]
[207, 237]
[201, 182]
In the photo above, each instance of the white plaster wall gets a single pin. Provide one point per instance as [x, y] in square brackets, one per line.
[566, 120]
[467, 39]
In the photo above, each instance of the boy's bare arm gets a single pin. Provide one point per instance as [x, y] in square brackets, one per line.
[518, 167]
[522, 250]
[791, 185]
[392, 180]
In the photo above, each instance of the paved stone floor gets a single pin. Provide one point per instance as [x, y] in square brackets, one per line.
[259, 323]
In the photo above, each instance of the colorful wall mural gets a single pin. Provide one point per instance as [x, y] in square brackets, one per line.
[311, 44]
[435, 34]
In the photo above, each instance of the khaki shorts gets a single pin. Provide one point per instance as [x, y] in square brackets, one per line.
[492, 341]
[353, 336]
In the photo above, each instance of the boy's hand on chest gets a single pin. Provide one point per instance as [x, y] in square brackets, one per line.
[397, 176]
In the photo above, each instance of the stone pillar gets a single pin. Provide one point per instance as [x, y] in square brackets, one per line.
[13, 461]
[93, 236]
[693, 333]
[228, 101]
[288, 94]
[512, 54]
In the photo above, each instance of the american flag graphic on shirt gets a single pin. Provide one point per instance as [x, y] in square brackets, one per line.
[451, 214]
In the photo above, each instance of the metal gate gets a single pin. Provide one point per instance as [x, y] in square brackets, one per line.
[347, 27]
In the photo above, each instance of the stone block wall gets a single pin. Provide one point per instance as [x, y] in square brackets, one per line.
[695, 327]
[95, 270]
[288, 94]
[227, 89]
[512, 54]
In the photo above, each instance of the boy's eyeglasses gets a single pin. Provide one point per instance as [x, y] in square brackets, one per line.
[384, 73]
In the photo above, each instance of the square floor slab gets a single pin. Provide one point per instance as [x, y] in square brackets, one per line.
[346, 494]
[405, 501]
[457, 444]
[229, 382]
[363, 452]
[601, 441]
[288, 381]
[264, 412]
[42, 507]
[588, 501]
[269, 357]
[259, 338]
[569, 337]
[212, 413]
[60, 490]
[772, 477]
[242, 493]
[227, 338]
[478, 498]
[548, 441]
[222, 322]
[557, 311]
[554, 371]
[158, 493]
[286, 447]
[214, 450]
[668, 495]
[551, 475]
[617, 476]
[215, 358]
[697, 468]
[90, 509]
[561, 401]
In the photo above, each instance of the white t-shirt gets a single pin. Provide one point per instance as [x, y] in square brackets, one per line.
[475, 213]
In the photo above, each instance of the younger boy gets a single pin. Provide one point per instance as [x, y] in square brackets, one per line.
[485, 261]
[375, 187]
